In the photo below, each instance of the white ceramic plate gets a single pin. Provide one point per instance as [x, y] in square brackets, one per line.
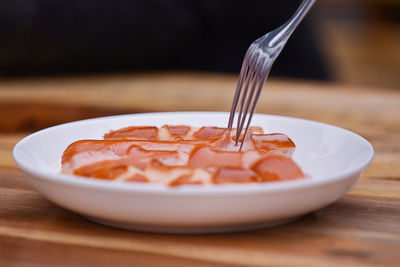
[333, 157]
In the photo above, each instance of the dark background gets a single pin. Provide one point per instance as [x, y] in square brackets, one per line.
[53, 36]
[350, 41]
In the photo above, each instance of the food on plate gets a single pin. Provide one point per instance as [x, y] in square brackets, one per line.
[181, 155]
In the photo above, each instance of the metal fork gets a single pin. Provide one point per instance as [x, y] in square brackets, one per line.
[256, 66]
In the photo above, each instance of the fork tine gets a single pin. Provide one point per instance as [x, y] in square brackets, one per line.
[249, 80]
[242, 116]
[242, 77]
[244, 108]
[251, 94]
[255, 102]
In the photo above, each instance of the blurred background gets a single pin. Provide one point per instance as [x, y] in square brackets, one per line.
[63, 60]
[350, 41]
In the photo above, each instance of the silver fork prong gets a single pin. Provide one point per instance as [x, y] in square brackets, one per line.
[255, 102]
[257, 77]
[249, 80]
[245, 108]
[257, 73]
[242, 76]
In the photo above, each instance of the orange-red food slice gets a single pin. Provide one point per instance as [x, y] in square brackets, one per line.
[277, 168]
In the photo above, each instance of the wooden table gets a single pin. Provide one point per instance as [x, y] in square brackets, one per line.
[361, 229]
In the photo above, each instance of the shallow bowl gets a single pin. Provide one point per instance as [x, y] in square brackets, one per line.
[333, 157]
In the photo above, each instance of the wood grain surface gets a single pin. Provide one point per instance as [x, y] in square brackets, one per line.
[362, 229]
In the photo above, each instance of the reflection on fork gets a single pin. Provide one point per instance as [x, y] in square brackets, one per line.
[256, 66]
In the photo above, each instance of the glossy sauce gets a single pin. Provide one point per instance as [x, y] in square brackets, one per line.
[179, 155]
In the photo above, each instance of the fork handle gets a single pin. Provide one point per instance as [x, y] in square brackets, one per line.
[286, 30]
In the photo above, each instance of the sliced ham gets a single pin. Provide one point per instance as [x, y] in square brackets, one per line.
[277, 142]
[277, 168]
[134, 132]
[177, 155]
